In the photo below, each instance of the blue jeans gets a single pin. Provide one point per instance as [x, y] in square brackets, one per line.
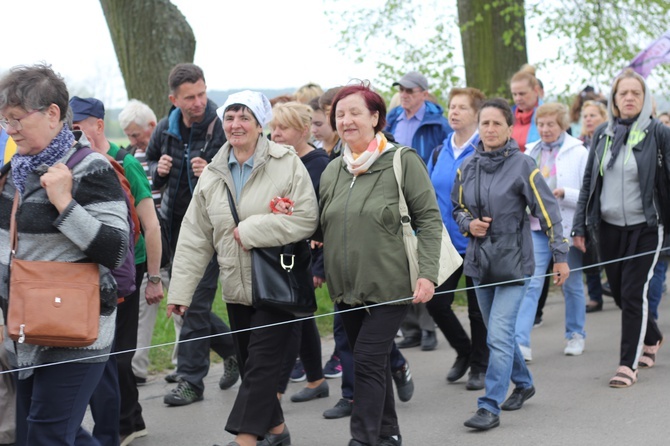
[656, 287]
[573, 291]
[500, 308]
[51, 404]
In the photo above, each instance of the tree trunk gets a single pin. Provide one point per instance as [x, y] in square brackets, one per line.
[150, 37]
[494, 42]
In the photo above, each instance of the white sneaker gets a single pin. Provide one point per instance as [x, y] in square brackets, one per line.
[575, 345]
[526, 352]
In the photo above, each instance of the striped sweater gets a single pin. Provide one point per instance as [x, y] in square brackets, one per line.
[93, 228]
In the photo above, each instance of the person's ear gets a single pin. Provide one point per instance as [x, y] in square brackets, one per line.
[53, 115]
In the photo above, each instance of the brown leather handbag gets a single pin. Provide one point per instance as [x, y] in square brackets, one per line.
[54, 304]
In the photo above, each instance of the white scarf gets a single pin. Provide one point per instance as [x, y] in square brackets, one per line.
[362, 163]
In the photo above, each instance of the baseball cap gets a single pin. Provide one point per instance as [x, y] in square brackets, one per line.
[413, 79]
[83, 108]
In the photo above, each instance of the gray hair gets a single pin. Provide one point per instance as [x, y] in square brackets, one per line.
[136, 112]
[34, 88]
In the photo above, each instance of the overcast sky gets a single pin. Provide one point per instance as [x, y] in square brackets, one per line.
[276, 44]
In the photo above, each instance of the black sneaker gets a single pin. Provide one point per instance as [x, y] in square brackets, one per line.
[389, 441]
[183, 395]
[231, 372]
[403, 382]
[340, 410]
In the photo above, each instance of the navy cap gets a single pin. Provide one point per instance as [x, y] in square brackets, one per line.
[83, 108]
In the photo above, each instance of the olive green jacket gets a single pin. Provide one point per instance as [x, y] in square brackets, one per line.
[364, 253]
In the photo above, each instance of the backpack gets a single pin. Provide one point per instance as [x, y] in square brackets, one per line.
[124, 274]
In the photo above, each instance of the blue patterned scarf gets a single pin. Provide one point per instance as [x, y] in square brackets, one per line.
[22, 165]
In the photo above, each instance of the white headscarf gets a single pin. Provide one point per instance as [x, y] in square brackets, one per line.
[254, 100]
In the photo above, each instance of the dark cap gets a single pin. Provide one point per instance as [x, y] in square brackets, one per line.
[413, 79]
[83, 108]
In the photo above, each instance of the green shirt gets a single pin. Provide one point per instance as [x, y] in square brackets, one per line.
[140, 188]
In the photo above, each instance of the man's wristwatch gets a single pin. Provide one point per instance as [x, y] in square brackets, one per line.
[154, 279]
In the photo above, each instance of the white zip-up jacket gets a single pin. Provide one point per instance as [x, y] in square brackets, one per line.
[208, 224]
[570, 166]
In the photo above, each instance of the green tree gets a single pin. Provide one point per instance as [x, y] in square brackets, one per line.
[150, 37]
[597, 37]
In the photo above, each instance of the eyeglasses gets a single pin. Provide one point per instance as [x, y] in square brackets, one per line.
[408, 90]
[15, 123]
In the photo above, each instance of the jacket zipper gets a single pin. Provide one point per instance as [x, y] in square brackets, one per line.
[344, 236]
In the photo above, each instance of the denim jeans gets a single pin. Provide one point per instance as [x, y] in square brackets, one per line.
[573, 291]
[656, 287]
[500, 308]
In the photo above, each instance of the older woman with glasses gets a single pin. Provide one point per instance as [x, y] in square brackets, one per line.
[65, 215]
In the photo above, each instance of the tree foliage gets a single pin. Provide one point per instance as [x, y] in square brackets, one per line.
[150, 37]
[596, 38]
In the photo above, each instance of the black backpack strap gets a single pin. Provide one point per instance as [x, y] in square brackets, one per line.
[436, 153]
[120, 155]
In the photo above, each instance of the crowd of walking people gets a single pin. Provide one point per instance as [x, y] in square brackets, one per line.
[530, 193]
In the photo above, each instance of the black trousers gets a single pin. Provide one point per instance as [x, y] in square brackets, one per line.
[629, 281]
[371, 332]
[304, 338]
[200, 321]
[260, 354]
[440, 309]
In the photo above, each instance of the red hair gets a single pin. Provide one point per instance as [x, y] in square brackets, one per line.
[373, 101]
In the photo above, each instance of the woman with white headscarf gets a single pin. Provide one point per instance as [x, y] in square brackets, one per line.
[256, 171]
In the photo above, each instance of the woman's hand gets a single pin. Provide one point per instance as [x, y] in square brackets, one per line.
[479, 227]
[318, 281]
[279, 205]
[424, 291]
[236, 236]
[559, 193]
[579, 242]
[179, 310]
[58, 184]
[562, 272]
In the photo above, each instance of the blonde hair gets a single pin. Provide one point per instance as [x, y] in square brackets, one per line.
[294, 115]
[526, 73]
[628, 73]
[554, 109]
[308, 92]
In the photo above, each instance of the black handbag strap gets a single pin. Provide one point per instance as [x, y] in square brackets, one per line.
[233, 209]
[478, 190]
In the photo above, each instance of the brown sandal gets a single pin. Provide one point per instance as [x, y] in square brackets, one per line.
[648, 358]
[625, 377]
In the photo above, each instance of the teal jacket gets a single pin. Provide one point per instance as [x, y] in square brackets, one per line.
[364, 253]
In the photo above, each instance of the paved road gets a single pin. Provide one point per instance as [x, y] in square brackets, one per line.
[573, 404]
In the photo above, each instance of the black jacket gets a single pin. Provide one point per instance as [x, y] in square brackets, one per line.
[587, 216]
[167, 140]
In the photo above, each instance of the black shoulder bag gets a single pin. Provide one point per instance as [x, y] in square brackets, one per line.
[281, 277]
[499, 254]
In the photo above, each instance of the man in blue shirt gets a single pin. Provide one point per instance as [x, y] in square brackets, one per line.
[417, 122]
[420, 124]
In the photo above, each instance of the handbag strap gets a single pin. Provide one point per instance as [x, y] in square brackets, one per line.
[233, 210]
[478, 189]
[79, 154]
[13, 235]
[405, 219]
